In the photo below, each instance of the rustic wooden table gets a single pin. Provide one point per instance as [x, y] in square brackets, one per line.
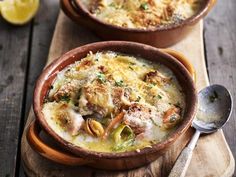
[23, 53]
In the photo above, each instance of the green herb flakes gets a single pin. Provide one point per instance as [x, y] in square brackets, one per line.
[101, 77]
[132, 63]
[65, 98]
[159, 96]
[112, 4]
[151, 85]
[177, 104]
[154, 123]
[119, 83]
[138, 99]
[144, 6]
[131, 68]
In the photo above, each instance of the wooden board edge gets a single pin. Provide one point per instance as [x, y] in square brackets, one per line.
[206, 78]
[231, 167]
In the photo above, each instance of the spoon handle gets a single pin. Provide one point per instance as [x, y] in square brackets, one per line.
[183, 161]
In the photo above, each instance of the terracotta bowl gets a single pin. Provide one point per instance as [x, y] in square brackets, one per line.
[75, 155]
[158, 37]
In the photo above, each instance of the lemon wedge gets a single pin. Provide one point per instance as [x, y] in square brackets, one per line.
[18, 12]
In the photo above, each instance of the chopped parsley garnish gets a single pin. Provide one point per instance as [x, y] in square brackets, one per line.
[96, 59]
[138, 99]
[154, 123]
[65, 98]
[213, 97]
[51, 87]
[159, 96]
[119, 83]
[151, 85]
[131, 68]
[112, 4]
[101, 77]
[177, 104]
[132, 63]
[144, 6]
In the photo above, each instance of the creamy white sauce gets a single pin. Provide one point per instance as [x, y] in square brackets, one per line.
[131, 71]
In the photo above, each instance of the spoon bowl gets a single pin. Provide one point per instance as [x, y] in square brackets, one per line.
[214, 109]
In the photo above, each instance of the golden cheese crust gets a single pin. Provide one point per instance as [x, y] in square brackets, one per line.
[87, 98]
[142, 13]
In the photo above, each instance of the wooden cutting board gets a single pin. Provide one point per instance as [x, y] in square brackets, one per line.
[212, 156]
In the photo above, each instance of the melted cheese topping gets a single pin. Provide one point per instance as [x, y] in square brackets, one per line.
[142, 13]
[102, 85]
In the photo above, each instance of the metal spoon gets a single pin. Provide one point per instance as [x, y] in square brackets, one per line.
[214, 110]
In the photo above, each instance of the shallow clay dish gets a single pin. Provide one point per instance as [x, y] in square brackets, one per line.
[116, 161]
[158, 37]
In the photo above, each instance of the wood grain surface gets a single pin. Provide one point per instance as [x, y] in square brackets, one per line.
[220, 40]
[43, 28]
[211, 157]
[13, 59]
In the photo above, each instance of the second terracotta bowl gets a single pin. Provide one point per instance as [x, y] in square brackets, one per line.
[158, 37]
[114, 161]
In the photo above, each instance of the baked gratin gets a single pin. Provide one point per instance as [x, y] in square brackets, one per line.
[142, 14]
[114, 102]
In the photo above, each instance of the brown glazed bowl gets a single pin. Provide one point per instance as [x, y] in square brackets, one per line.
[158, 37]
[75, 155]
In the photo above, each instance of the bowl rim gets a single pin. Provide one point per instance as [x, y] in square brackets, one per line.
[189, 21]
[50, 71]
